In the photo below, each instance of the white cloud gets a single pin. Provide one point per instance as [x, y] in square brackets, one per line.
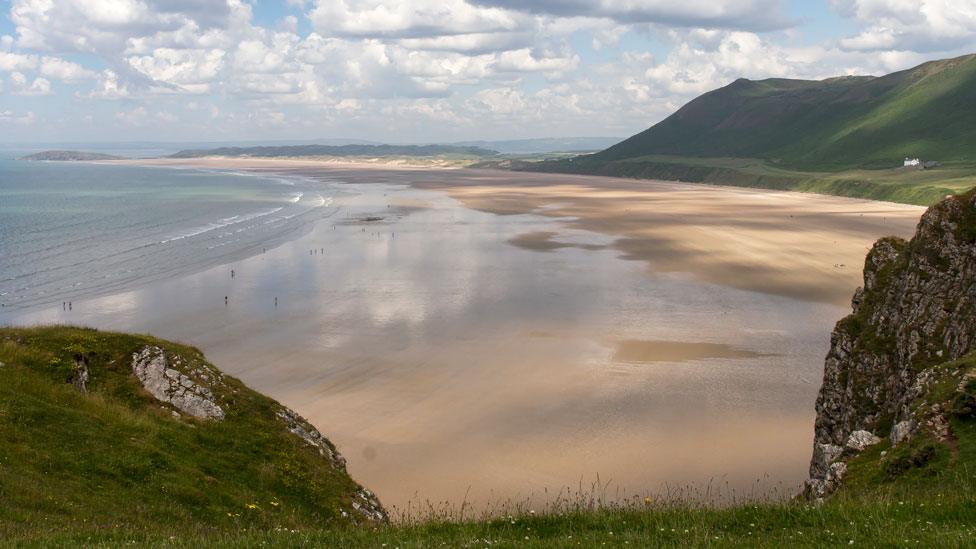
[22, 85]
[109, 87]
[721, 14]
[418, 18]
[922, 25]
[60, 69]
[186, 70]
[24, 119]
[17, 62]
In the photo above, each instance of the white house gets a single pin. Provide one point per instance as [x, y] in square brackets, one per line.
[912, 162]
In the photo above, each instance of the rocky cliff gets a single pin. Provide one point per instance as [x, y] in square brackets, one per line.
[915, 312]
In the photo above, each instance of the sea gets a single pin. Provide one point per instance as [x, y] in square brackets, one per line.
[72, 230]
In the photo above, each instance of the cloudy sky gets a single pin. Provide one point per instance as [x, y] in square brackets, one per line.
[426, 70]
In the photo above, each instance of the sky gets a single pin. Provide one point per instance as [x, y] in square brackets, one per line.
[426, 70]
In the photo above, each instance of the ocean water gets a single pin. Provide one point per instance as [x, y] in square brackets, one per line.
[75, 230]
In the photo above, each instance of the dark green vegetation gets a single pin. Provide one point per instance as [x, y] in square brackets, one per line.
[112, 466]
[70, 156]
[112, 459]
[841, 136]
[370, 151]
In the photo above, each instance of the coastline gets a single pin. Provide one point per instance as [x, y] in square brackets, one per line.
[783, 251]
[459, 329]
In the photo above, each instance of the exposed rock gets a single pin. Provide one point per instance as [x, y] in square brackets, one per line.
[823, 456]
[80, 377]
[902, 431]
[917, 309]
[859, 440]
[364, 502]
[170, 385]
[304, 430]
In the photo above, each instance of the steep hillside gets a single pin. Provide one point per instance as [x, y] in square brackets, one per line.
[839, 123]
[893, 374]
[845, 136]
[102, 432]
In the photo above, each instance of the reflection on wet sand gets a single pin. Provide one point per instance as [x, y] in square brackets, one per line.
[447, 362]
[676, 351]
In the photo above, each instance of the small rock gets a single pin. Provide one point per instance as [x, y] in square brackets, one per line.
[859, 440]
[836, 472]
[823, 456]
[902, 431]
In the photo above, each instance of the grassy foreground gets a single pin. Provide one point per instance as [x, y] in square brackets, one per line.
[111, 467]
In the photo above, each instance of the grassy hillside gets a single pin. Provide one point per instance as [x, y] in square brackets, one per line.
[114, 467]
[834, 124]
[816, 136]
[110, 458]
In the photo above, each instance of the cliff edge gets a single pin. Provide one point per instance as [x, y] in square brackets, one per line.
[892, 375]
[102, 431]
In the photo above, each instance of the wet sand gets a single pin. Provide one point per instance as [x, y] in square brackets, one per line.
[496, 335]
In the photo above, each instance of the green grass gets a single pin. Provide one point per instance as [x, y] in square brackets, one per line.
[112, 468]
[908, 186]
[80, 464]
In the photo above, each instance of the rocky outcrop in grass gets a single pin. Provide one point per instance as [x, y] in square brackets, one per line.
[103, 431]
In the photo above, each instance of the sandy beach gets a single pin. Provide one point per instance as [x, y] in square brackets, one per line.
[487, 335]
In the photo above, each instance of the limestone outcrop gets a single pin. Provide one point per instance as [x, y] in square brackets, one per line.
[170, 385]
[916, 310]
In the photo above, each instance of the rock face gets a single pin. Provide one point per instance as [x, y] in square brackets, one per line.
[917, 309]
[189, 386]
[170, 385]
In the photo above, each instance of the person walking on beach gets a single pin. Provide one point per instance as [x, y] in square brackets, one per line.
[276, 301]
[225, 301]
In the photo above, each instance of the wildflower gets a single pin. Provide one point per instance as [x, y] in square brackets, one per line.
[274, 503]
[252, 506]
[647, 500]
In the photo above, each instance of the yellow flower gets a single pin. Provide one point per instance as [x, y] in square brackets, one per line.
[252, 505]
[275, 503]
[647, 500]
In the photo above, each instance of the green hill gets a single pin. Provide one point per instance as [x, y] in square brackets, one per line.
[815, 136]
[88, 449]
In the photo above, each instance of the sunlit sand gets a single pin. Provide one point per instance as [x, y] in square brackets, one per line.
[491, 335]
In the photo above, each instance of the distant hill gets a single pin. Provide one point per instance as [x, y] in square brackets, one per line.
[69, 156]
[545, 144]
[793, 126]
[838, 123]
[338, 150]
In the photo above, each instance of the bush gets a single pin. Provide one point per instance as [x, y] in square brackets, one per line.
[916, 459]
[964, 402]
